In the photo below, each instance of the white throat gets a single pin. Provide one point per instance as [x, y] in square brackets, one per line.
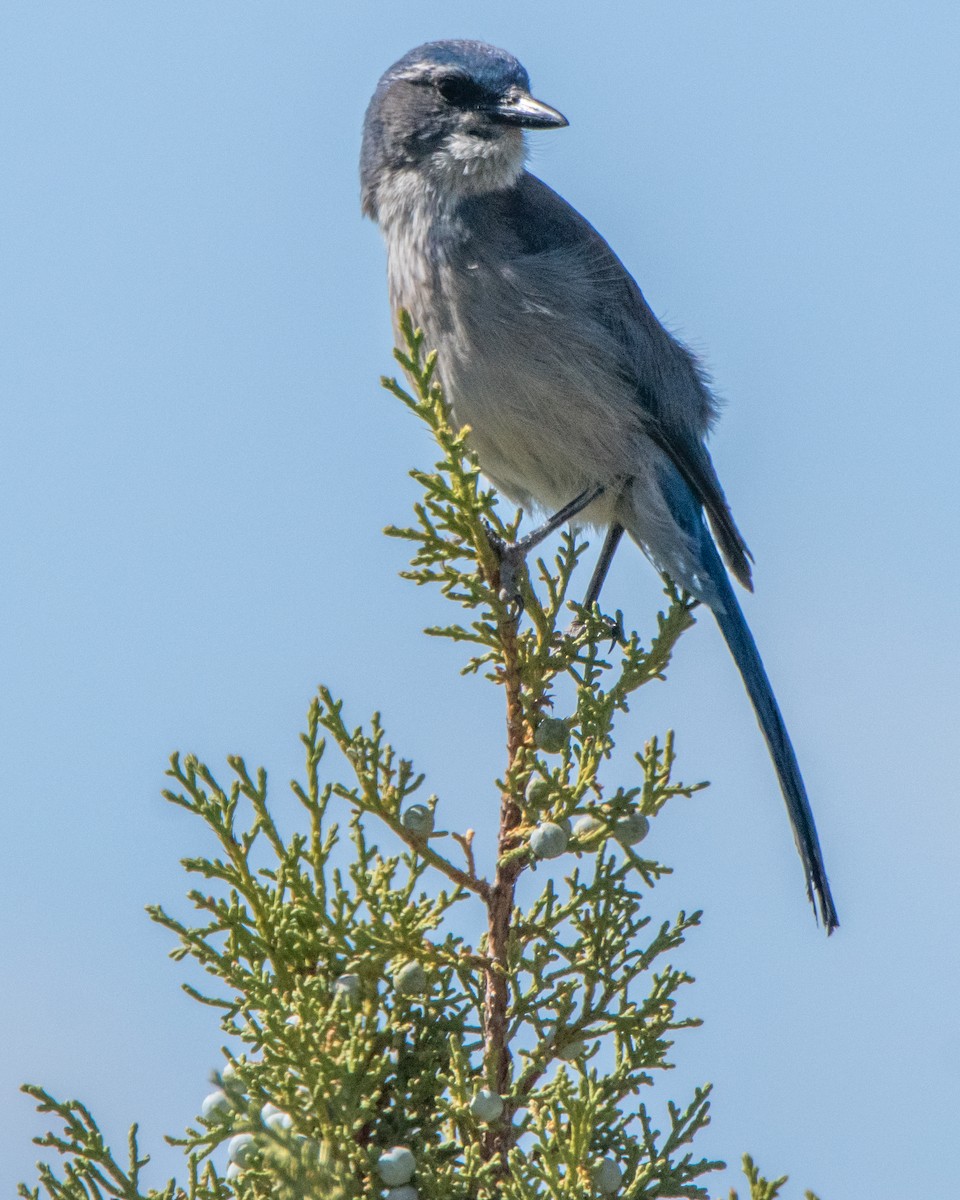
[467, 164]
[463, 166]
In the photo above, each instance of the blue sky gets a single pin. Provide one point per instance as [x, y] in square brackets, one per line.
[197, 463]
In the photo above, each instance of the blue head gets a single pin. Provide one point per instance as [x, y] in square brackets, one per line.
[454, 113]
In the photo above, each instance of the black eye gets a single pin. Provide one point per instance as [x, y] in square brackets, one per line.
[459, 91]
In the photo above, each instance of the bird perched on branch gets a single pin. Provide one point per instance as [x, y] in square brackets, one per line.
[579, 402]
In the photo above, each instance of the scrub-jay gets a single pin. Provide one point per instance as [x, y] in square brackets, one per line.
[578, 400]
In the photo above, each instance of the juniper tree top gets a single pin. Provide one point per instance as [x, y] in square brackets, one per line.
[373, 1050]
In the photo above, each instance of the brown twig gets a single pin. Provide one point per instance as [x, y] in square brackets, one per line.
[501, 897]
[466, 879]
[465, 842]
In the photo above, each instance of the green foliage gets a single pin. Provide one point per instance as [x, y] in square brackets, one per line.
[91, 1169]
[359, 1015]
[760, 1188]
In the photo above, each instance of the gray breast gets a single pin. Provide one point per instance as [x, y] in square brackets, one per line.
[525, 364]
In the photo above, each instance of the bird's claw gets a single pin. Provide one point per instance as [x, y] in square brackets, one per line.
[614, 628]
[511, 558]
[617, 634]
[511, 567]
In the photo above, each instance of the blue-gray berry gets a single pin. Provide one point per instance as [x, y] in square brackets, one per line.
[549, 840]
[275, 1118]
[487, 1105]
[347, 987]
[410, 980]
[586, 827]
[631, 829]
[551, 735]
[215, 1106]
[396, 1166]
[538, 792]
[230, 1079]
[568, 1051]
[240, 1148]
[418, 819]
[606, 1177]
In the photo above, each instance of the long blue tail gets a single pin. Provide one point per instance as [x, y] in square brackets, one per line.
[736, 633]
[708, 579]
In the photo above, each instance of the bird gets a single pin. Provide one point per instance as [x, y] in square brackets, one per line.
[578, 401]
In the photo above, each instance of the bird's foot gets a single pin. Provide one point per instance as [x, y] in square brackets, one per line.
[512, 558]
[613, 627]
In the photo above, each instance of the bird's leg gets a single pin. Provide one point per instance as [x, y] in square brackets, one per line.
[610, 544]
[512, 554]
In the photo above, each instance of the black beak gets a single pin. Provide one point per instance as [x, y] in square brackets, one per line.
[521, 109]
